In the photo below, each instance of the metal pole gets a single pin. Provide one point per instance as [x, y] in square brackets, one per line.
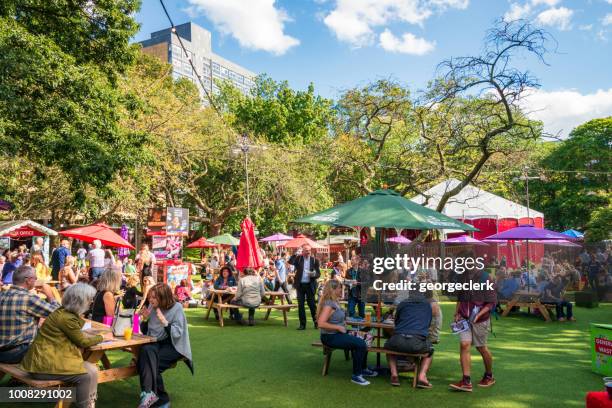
[246, 170]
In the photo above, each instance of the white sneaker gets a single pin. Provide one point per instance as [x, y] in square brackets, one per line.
[359, 380]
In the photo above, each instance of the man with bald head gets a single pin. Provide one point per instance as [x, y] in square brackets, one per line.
[306, 274]
[58, 258]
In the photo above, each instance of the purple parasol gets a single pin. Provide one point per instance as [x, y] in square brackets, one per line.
[399, 240]
[528, 232]
[5, 205]
[278, 237]
[465, 240]
[562, 243]
[123, 252]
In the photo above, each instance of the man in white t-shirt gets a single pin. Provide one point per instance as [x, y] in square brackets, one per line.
[96, 260]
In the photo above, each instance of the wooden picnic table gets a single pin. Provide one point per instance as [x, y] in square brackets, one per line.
[529, 299]
[216, 301]
[97, 354]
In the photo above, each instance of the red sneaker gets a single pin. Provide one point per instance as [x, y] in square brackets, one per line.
[486, 382]
[461, 386]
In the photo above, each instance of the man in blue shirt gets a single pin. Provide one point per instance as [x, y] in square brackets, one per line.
[9, 267]
[58, 258]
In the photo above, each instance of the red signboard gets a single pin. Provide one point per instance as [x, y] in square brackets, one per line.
[603, 346]
[24, 232]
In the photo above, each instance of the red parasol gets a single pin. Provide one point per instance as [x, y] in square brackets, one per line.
[101, 231]
[248, 250]
[202, 243]
[300, 241]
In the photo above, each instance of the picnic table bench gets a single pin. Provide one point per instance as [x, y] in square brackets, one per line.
[327, 353]
[216, 301]
[529, 299]
[95, 354]
[18, 374]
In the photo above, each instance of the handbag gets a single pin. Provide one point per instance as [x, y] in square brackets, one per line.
[364, 335]
[123, 319]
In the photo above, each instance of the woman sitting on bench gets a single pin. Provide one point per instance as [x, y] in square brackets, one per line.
[331, 321]
[55, 353]
[168, 324]
[250, 292]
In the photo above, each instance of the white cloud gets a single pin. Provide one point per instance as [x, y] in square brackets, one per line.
[408, 44]
[517, 11]
[355, 21]
[562, 111]
[256, 24]
[586, 27]
[607, 20]
[559, 17]
[549, 3]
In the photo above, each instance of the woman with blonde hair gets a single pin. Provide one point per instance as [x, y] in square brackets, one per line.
[66, 275]
[43, 273]
[105, 300]
[331, 321]
[145, 260]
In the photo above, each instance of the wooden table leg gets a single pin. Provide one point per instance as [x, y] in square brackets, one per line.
[509, 307]
[95, 356]
[105, 362]
[270, 302]
[209, 305]
[417, 369]
[543, 312]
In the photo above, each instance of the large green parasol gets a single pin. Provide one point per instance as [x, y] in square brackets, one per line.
[385, 209]
[224, 239]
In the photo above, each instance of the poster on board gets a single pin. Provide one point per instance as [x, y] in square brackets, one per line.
[177, 221]
[167, 247]
[176, 273]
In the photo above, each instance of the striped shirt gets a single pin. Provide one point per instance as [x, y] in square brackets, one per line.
[19, 314]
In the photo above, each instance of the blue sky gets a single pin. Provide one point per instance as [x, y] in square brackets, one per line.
[338, 44]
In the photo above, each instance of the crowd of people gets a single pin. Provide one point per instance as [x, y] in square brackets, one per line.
[44, 307]
[417, 322]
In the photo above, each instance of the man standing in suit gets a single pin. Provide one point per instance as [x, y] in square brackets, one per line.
[306, 274]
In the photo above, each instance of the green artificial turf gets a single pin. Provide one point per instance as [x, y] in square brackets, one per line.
[537, 364]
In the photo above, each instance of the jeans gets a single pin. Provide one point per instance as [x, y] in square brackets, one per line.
[357, 346]
[86, 384]
[13, 355]
[306, 293]
[154, 359]
[96, 272]
[559, 309]
[352, 302]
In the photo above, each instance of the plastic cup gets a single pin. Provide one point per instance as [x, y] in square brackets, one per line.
[127, 333]
[608, 384]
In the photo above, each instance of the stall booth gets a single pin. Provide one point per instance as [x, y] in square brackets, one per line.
[17, 232]
[167, 229]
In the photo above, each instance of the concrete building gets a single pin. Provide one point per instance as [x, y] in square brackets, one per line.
[164, 45]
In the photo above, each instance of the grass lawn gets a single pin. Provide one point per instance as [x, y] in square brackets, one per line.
[537, 364]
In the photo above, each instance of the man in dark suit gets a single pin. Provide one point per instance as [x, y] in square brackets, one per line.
[306, 274]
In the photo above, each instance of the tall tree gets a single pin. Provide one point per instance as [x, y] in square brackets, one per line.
[277, 113]
[577, 180]
[59, 105]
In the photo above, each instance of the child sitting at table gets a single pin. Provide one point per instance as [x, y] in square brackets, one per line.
[182, 293]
